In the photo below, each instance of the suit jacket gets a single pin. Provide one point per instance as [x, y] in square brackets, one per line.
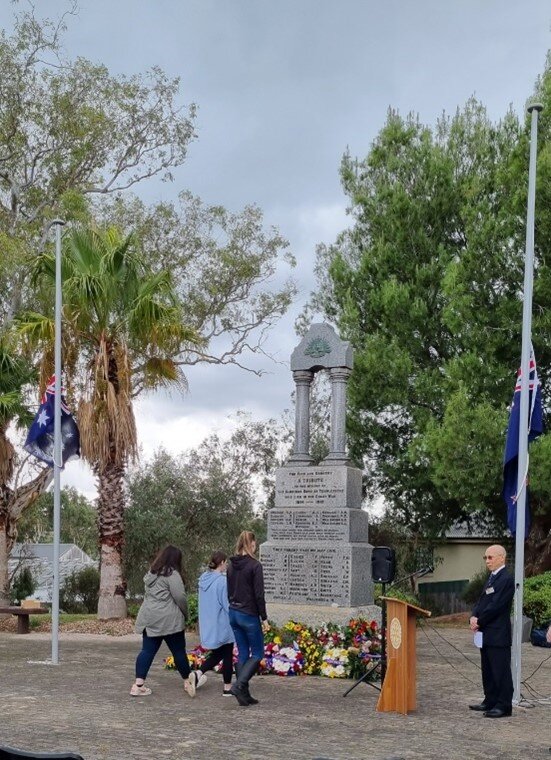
[493, 610]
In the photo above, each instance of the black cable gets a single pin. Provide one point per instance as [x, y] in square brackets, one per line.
[423, 627]
[533, 673]
[437, 632]
[533, 693]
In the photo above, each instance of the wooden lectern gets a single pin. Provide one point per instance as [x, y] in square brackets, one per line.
[398, 689]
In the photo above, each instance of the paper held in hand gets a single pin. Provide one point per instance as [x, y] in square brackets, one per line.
[477, 640]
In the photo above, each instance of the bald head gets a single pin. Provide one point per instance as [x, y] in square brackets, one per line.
[495, 557]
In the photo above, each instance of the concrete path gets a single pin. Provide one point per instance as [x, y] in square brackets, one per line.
[83, 705]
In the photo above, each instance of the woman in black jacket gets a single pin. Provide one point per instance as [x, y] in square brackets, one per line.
[247, 609]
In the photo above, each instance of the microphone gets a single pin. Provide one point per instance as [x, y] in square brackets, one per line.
[424, 571]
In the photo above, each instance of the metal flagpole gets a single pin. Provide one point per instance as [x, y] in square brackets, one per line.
[534, 110]
[58, 463]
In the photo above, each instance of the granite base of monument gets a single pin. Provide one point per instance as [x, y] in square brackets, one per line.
[316, 614]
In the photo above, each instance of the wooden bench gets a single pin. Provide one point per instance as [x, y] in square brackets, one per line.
[22, 614]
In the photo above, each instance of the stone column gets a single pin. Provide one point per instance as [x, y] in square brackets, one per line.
[301, 452]
[339, 378]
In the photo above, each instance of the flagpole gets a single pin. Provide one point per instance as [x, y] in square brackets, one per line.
[58, 224]
[534, 110]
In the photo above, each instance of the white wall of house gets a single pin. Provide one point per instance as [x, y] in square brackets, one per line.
[456, 562]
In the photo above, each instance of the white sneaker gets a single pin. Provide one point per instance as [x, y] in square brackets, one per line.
[190, 684]
[201, 678]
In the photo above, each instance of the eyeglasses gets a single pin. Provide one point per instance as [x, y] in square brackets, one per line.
[487, 556]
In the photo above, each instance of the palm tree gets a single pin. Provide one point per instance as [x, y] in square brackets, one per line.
[123, 333]
[15, 374]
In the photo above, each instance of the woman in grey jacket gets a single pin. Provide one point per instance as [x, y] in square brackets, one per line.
[162, 617]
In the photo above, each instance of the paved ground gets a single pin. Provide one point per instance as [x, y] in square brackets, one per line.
[83, 705]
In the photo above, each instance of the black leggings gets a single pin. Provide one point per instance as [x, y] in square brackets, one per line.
[176, 642]
[224, 653]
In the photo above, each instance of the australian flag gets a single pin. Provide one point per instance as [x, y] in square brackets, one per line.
[510, 461]
[40, 439]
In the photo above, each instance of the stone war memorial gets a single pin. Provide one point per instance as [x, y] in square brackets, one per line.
[317, 557]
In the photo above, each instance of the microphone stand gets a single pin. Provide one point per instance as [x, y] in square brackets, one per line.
[381, 662]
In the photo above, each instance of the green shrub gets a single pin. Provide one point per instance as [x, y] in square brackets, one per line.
[80, 591]
[23, 585]
[133, 607]
[193, 611]
[537, 599]
[472, 593]
[396, 593]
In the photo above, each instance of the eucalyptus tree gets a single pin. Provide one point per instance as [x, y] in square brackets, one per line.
[71, 131]
[123, 334]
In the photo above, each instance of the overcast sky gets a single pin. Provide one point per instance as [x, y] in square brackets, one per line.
[282, 89]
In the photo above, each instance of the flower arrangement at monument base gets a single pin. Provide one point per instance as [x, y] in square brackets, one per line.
[331, 634]
[335, 662]
[283, 660]
[310, 647]
[330, 650]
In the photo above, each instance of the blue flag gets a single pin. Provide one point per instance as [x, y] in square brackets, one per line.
[40, 439]
[510, 460]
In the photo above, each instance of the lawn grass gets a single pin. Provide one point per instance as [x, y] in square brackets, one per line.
[37, 620]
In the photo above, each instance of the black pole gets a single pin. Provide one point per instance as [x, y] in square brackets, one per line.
[381, 663]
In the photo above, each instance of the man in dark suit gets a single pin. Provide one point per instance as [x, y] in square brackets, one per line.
[492, 617]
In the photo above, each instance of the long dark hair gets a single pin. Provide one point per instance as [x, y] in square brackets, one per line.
[167, 560]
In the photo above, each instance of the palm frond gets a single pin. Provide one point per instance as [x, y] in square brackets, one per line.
[10, 405]
[106, 417]
[116, 310]
[35, 328]
[160, 372]
[155, 313]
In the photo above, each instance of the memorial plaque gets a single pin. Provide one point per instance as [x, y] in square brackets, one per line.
[317, 525]
[318, 487]
[318, 574]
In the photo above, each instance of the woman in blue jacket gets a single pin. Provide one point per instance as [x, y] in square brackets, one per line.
[214, 625]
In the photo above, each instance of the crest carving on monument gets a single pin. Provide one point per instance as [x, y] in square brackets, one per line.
[317, 347]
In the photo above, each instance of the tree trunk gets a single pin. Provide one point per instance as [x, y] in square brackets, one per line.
[4, 554]
[12, 505]
[112, 601]
[537, 557]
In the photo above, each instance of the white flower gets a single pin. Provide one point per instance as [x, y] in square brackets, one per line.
[288, 652]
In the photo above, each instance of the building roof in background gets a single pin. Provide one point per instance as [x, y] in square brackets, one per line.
[41, 551]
